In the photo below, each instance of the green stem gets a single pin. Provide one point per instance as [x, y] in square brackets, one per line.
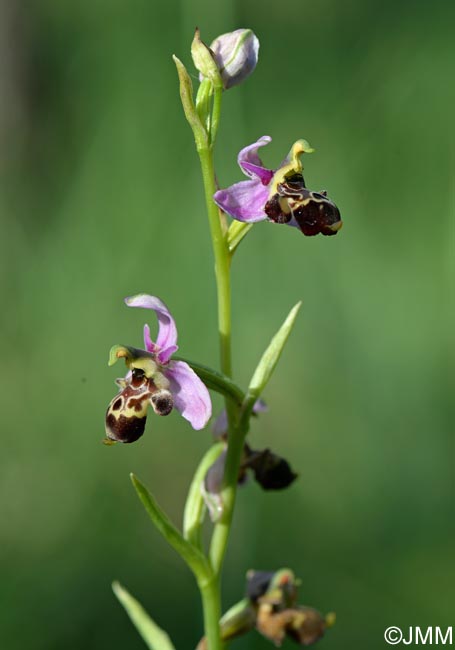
[211, 604]
[211, 597]
[234, 454]
[216, 114]
[221, 254]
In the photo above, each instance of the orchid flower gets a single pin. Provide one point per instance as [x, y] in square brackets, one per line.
[154, 379]
[279, 195]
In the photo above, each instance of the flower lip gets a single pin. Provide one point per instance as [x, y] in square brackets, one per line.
[127, 412]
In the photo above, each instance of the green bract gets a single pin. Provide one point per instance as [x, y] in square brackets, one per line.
[270, 357]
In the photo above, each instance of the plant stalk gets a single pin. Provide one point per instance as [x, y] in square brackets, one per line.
[211, 596]
[211, 604]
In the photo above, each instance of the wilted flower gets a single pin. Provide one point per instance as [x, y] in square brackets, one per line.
[155, 380]
[279, 196]
[278, 614]
[278, 588]
[236, 55]
[269, 470]
[304, 625]
[270, 605]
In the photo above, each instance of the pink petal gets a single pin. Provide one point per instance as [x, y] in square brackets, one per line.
[244, 201]
[251, 164]
[191, 397]
[165, 354]
[250, 153]
[149, 344]
[264, 175]
[167, 333]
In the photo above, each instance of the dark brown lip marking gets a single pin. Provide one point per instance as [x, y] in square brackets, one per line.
[117, 404]
[125, 429]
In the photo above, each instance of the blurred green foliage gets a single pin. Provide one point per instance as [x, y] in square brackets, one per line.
[101, 198]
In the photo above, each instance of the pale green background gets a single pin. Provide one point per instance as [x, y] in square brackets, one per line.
[101, 198]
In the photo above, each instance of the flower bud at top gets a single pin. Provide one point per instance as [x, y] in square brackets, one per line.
[236, 55]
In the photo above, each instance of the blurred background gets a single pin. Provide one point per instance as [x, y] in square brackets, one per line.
[101, 197]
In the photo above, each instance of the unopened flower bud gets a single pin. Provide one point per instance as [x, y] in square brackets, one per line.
[236, 55]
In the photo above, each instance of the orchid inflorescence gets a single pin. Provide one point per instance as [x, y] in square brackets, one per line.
[157, 379]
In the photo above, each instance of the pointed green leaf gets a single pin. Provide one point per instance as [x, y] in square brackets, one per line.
[186, 95]
[204, 60]
[154, 637]
[193, 557]
[270, 357]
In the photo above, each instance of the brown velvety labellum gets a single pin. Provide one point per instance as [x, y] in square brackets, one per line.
[314, 212]
[317, 215]
[127, 413]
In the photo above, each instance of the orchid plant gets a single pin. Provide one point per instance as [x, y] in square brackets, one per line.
[158, 379]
